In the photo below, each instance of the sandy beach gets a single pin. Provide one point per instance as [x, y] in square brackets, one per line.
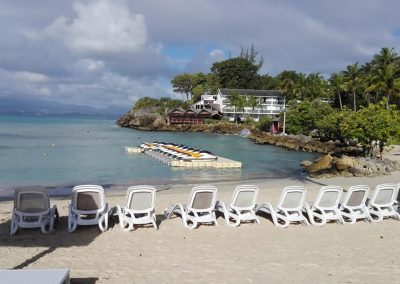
[364, 252]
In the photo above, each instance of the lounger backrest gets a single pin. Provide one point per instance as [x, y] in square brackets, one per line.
[398, 192]
[292, 198]
[202, 198]
[356, 196]
[31, 200]
[384, 194]
[88, 197]
[328, 197]
[245, 196]
[141, 197]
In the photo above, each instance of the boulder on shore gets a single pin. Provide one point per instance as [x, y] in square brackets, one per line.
[322, 163]
[345, 163]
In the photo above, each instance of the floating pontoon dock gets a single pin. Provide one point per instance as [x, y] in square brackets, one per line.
[177, 155]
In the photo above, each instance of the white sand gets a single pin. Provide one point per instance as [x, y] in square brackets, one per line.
[364, 252]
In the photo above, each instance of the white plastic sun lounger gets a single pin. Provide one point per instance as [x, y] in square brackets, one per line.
[139, 208]
[354, 204]
[381, 204]
[326, 206]
[32, 210]
[289, 207]
[200, 208]
[88, 201]
[242, 205]
[40, 276]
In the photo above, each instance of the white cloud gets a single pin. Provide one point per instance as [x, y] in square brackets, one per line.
[24, 83]
[90, 65]
[101, 26]
[30, 77]
[217, 54]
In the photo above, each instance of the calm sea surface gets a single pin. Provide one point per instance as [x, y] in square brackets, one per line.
[64, 151]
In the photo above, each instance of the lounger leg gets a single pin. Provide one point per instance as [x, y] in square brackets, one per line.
[304, 221]
[215, 218]
[267, 208]
[188, 218]
[45, 222]
[374, 212]
[220, 206]
[14, 224]
[348, 216]
[72, 220]
[168, 213]
[103, 219]
[153, 220]
[340, 219]
[235, 218]
[311, 215]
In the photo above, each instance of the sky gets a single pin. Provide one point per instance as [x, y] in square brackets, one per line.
[109, 53]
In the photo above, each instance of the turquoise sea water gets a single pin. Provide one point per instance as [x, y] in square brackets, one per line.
[64, 151]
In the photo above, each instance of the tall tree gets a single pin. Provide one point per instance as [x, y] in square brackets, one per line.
[387, 81]
[287, 83]
[385, 57]
[183, 83]
[352, 76]
[269, 83]
[212, 83]
[238, 101]
[251, 56]
[316, 86]
[301, 86]
[338, 85]
[237, 73]
[386, 66]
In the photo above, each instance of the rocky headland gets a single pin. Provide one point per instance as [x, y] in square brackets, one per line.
[336, 160]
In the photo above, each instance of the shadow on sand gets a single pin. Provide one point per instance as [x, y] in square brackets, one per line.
[33, 238]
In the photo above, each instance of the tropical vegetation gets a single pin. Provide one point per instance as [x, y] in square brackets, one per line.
[359, 104]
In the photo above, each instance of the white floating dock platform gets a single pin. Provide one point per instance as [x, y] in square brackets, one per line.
[220, 162]
[177, 155]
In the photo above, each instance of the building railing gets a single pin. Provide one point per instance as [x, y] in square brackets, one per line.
[273, 110]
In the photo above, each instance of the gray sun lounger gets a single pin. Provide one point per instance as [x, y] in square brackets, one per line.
[25, 276]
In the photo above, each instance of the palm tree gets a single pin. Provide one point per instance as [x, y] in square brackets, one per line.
[367, 80]
[386, 80]
[301, 86]
[316, 86]
[352, 77]
[287, 83]
[238, 101]
[253, 102]
[338, 85]
[385, 57]
[386, 73]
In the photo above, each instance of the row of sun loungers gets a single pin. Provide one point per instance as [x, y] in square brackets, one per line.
[32, 207]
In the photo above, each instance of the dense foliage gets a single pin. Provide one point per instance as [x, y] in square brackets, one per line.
[354, 87]
[302, 117]
[357, 105]
[158, 105]
[372, 123]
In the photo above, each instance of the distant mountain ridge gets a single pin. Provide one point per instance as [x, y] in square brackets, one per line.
[29, 106]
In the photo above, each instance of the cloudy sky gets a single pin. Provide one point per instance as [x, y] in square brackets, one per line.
[109, 53]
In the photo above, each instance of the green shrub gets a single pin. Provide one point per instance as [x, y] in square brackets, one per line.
[264, 123]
